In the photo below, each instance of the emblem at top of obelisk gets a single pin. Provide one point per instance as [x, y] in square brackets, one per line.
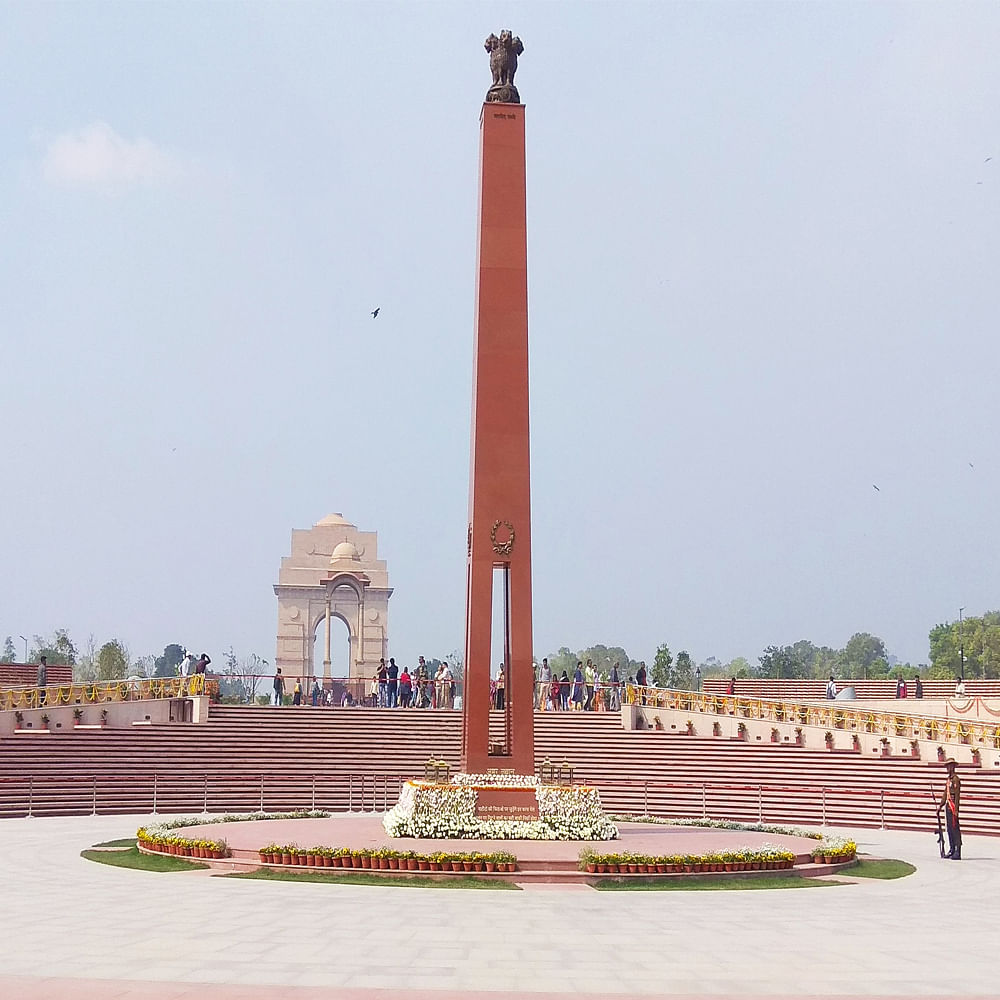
[503, 65]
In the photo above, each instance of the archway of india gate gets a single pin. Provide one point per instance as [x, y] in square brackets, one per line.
[333, 571]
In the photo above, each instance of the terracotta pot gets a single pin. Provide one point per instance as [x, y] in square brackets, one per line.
[511, 866]
[327, 861]
[355, 861]
[632, 869]
[383, 863]
[729, 868]
[689, 868]
[590, 869]
[644, 869]
[264, 858]
[411, 864]
[423, 865]
[446, 866]
[467, 865]
[601, 869]
[394, 863]
[435, 866]
[286, 858]
[661, 867]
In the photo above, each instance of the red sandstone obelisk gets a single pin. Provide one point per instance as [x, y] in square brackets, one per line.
[499, 537]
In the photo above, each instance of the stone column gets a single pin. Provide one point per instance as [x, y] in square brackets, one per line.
[326, 658]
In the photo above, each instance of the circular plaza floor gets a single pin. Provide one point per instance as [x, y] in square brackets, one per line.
[77, 929]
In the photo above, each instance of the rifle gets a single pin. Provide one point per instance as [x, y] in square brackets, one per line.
[940, 832]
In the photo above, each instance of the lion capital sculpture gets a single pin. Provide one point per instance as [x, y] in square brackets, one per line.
[503, 65]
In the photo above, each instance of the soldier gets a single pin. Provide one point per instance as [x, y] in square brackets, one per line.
[950, 802]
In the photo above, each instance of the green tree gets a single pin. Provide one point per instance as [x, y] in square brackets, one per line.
[738, 667]
[779, 662]
[977, 638]
[166, 664]
[9, 654]
[683, 673]
[864, 656]
[604, 658]
[660, 673]
[58, 649]
[113, 661]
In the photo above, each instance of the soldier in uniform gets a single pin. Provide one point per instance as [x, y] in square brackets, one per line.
[950, 802]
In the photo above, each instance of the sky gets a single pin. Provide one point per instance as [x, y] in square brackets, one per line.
[764, 307]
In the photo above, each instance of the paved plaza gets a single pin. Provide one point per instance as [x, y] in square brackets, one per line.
[131, 934]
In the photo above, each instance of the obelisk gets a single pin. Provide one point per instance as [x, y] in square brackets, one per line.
[499, 535]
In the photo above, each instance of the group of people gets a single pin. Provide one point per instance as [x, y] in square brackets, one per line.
[393, 687]
[588, 690]
[189, 666]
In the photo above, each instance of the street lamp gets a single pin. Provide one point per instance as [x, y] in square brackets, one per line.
[697, 678]
[961, 644]
[25, 648]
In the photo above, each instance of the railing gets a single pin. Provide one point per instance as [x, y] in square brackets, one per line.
[104, 794]
[54, 695]
[832, 716]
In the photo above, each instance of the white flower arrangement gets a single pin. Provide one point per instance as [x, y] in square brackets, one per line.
[571, 812]
[721, 824]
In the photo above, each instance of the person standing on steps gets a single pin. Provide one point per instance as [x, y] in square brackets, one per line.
[950, 802]
[918, 689]
[391, 684]
[383, 684]
[43, 678]
[279, 686]
[831, 688]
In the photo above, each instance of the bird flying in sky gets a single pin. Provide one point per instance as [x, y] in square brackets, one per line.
[375, 311]
[875, 488]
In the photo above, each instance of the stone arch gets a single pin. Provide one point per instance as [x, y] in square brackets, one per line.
[332, 571]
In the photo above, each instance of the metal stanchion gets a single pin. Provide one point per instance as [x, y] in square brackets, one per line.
[31, 793]
[205, 810]
[881, 796]
[824, 806]
[645, 798]
[314, 793]
[704, 801]
[95, 795]
[262, 792]
[760, 803]
[154, 793]
[350, 793]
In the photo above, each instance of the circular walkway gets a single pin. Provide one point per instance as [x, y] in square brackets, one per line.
[79, 929]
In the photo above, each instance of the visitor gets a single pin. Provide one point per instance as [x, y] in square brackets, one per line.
[545, 686]
[615, 694]
[347, 699]
[315, 693]
[187, 664]
[640, 680]
[279, 687]
[201, 663]
[960, 688]
[405, 691]
[599, 682]
[731, 690]
[555, 701]
[901, 687]
[419, 692]
[588, 676]
[374, 693]
[383, 684]
[392, 692]
[297, 692]
[831, 688]
[950, 802]
[564, 692]
[630, 690]
[500, 689]
[43, 678]
[578, 696]
[918, 689]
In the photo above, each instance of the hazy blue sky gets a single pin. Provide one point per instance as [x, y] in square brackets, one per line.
[764, 276]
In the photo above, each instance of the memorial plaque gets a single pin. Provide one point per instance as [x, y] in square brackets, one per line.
[506, 803]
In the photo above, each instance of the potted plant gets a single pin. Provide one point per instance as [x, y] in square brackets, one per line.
[799, 738]
[856, 743]
[104, 716]
[941, 755]
[45, 721]
[741, 731]
[886, 746]
[78, 716]
[716, 728]
[690, 728]
[775, 735]
[977, 757]
[18, 720]
[828, 739]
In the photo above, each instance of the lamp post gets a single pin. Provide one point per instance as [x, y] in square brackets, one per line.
[961, 644]
[25, 648]
[697, 679]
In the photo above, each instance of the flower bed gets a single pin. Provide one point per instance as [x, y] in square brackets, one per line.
[767, 856]
[835, 851]
[722, 824]
[386, 859]
[186, 847]
[565, 812]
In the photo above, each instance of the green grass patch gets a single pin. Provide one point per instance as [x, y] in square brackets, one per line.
[362, 878]
[132, 858]
[878, 868]
[685, 883]
[124, 842]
